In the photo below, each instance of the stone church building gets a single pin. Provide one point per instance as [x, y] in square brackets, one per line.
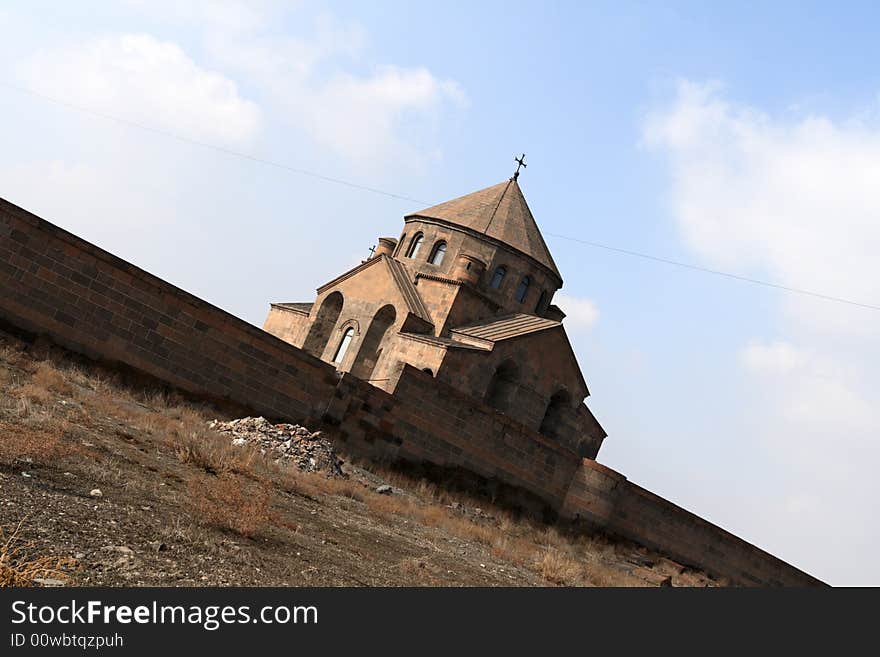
[464, 294]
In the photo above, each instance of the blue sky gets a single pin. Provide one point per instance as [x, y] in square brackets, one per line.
[743, 138]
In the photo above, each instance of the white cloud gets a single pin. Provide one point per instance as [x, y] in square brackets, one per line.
[385, 115]
[142, 79]
[360, 116]
[776, 358]
[814, 396]
[795, 198]
[580, 313]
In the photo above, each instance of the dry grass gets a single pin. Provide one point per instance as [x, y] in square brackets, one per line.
[233, 486]
[228, 502]
[5, 377]
[18, 568]
[215, 454]
[559, 558]
[19, 442]
[48, 377]
[559, 568]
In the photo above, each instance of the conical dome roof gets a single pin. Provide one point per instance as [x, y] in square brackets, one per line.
[500, 212]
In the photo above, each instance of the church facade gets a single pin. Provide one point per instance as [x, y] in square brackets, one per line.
[466, 295]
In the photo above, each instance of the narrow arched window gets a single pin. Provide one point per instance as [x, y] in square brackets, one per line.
[541, 299]
[498, 277]
[523, 289]
[438, 253]
[416, 244]
[343, 345]
[401, 243]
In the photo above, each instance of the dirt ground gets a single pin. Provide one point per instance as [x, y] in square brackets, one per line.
[103, 482]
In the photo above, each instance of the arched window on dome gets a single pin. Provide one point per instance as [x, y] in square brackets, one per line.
[498, 277]
[523, 289]
[343, 345]
[437, 253]
[415, 245]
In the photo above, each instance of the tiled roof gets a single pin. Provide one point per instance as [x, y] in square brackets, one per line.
[500, 212]
[496, 329]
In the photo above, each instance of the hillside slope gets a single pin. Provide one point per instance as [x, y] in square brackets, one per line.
[110, 482]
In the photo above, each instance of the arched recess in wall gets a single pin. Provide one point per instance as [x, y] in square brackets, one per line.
[502, 388]
[554, 416]
[322, 327]
[373, 342]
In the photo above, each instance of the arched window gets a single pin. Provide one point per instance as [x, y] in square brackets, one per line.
[553, 424]
[502, 387]
[438, 253]
[401, 243]
[416, 244]
[523, 289]
[498, 277]
[343, 345]
[541, 299]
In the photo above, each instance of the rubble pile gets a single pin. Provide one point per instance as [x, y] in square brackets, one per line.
[286, 443]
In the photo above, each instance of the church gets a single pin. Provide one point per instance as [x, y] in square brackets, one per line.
[465, 294]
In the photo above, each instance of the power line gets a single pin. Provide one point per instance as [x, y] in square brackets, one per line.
[706, 270]
[374, 190]
[214, 147]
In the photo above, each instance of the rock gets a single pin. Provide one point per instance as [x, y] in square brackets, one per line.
[48, 581]
[666, 581]
[384, 489]
[121, 549]
[158, 546]
[27, 475]
[96, 492]
[285, 443]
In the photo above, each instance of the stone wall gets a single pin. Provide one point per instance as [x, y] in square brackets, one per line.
[605, 499]
[427, 421]
[87, 300]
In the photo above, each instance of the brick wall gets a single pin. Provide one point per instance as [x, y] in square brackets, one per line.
[83, 298]
[427, 421]
[92, 302]
[606, 499]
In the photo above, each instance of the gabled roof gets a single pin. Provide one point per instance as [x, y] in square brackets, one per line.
[401, 279]
[442, 342]
[303, 308]
[407, 289]
[501, 212]
[496, 329]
